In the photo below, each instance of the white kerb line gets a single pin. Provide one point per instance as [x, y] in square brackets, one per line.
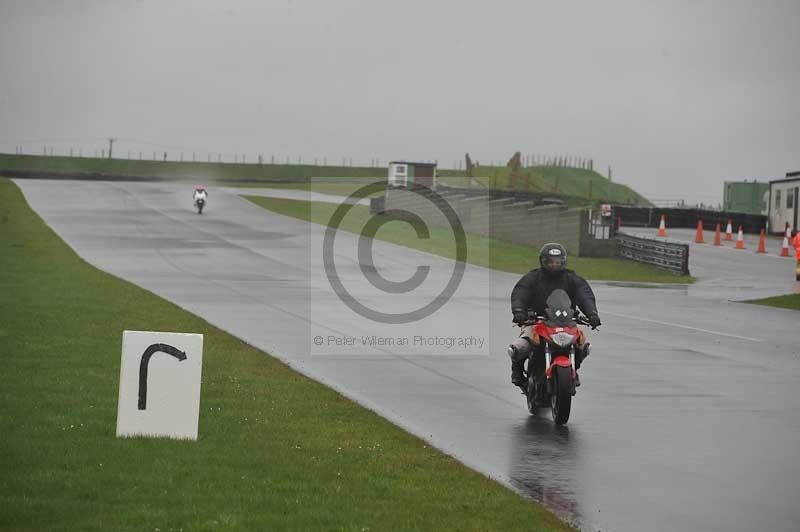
[717, 333]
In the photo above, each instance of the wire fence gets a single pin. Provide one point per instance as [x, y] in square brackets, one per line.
[197, 157]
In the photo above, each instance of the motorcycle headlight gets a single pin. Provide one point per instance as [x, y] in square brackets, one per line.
[562, 339]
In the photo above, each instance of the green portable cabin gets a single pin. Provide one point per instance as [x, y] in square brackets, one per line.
[746, 196]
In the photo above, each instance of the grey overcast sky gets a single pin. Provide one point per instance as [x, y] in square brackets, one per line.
[677, 96]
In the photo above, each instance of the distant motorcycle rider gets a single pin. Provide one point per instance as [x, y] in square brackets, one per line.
[531, 293]
[200, 193]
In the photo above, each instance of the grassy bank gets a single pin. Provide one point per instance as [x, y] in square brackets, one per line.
[229, 172]
[791, 301]
[276, 450]
[567, 182]
[482, 251]
[575, 186]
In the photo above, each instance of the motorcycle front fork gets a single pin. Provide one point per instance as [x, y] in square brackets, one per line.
[548, 360]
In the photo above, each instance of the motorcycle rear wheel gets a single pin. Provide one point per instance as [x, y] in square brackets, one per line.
[561, 400]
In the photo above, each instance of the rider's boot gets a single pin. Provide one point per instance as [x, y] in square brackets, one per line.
[517, 367]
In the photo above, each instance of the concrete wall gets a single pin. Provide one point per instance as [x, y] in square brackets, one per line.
[503, 219]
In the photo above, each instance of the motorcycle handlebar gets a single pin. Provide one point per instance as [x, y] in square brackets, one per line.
[580, 319]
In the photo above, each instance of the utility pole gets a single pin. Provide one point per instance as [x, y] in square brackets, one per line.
[110, 145]
[608, 194]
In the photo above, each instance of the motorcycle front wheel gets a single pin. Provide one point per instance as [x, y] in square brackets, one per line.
[530, 393]
[561, 400]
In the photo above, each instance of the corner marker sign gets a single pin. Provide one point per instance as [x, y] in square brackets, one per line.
[159, 384]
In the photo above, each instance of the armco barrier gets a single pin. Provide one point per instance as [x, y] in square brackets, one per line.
[669, 255]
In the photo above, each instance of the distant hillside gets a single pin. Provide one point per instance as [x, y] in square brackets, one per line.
[186, 170]
[571, 182]
[576, 186]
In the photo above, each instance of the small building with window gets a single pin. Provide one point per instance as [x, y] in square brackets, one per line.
[784, 195]
[405, 174]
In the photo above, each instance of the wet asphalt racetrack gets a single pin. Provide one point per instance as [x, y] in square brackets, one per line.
[688, 417]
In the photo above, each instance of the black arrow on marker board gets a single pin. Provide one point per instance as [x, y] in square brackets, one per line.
[148, 353]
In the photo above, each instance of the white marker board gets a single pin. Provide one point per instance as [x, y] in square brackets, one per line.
[159, 384]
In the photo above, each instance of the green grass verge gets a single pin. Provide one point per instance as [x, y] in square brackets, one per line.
[790, 301]
[482, 251]
[276, 450]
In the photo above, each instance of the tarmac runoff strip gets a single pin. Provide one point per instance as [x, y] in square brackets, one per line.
[773, 243]
[670, 324]
[293, 194]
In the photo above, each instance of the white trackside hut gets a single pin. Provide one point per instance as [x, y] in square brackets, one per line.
[405, 174]
[784, 195]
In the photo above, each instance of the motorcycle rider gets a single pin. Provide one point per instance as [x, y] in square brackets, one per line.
[531, 293]
[199, 194]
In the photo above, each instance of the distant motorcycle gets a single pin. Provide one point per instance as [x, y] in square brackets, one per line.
[554, 384]
[200, 198]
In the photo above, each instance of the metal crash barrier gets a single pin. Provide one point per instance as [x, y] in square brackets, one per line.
[668, 255]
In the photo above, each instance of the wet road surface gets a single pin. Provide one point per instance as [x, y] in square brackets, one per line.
[688, 417]
[736, 274]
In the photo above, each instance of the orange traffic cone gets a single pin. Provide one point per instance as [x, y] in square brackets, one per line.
[785, 247]
[662, 227]
[698, 239]
[762, 243]
[740, 239]
[717, 239]
[729, 231]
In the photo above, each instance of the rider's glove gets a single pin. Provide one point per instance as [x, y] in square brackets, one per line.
[520, 316]
[594, 321]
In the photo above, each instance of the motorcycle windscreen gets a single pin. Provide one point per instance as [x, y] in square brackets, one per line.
[559, 309]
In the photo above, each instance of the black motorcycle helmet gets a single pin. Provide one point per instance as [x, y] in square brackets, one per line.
[553, 258]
